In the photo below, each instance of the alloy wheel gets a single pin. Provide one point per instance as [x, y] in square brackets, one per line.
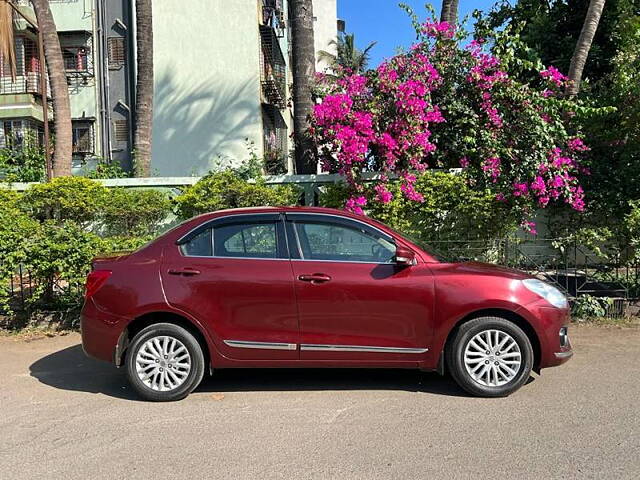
[492, 358]
[163, 363]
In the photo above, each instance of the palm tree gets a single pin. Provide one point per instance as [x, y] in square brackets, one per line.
[348, 55]
[304, 61]
[7, 46]
[59, 89]
[449, 11]
[583, 46]
[144, 88]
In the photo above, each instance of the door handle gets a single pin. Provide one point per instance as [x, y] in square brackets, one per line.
[314, 278]
[183, 271]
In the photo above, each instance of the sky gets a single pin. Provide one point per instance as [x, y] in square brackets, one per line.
[384, 22]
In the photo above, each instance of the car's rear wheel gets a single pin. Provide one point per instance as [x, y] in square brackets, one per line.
[164, 363]
[490, 357]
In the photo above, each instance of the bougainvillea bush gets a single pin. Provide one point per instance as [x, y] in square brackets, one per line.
[449, 102]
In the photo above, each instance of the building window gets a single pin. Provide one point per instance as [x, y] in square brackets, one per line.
[75, 59]
[116, 52]
[20, 132]
[275, 140]
[13, 133]
[76, 53]
[121, 131]
[82, 137]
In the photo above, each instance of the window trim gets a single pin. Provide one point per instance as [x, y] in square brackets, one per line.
[282, 245]
[331, 219]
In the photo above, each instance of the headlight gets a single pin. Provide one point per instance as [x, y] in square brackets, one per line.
[551, 294]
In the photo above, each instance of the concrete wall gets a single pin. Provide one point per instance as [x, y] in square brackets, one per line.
[207, 87]
[325, 28]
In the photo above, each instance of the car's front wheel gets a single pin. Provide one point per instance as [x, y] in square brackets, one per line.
[164, 362]
[490, 357]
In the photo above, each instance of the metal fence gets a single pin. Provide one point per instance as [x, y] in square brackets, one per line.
[573, 268]
[23, 292]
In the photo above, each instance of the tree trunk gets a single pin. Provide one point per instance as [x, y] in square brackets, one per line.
[59, 89]
[449, 11]
[583, 46]
[304, 66]
[144, 88]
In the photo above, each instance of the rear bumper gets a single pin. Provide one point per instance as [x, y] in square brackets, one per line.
[100, 332]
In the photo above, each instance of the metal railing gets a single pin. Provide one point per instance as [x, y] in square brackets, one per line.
[572, 267]
[575, 270]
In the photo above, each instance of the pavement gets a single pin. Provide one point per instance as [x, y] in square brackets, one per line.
[63, 415]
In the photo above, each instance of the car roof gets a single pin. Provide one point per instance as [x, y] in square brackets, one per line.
[296, 209]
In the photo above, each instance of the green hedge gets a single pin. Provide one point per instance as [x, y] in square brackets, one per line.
[54, 229]
[452, 209]
[228, 189]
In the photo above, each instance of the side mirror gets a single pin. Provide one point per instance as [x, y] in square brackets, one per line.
[405, 257]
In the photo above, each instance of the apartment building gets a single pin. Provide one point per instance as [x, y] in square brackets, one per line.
[21, 98]
[222, 78]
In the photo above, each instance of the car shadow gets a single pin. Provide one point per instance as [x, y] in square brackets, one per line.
[71, 369]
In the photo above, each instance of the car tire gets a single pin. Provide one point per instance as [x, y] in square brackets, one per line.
[490, 357]
[149, 366]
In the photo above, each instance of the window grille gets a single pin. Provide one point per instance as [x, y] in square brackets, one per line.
[116, 52]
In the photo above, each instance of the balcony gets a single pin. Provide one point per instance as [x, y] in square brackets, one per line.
[273, 16]
[273, 69]
[77, 55]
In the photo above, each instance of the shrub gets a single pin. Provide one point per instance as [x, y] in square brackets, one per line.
[134, 212]
[448, 102]
[227, 189]
[16, 228]
[22, 160]
[108, 170]
[66, 198]
[58, 258]
[588, 306]
[450, 210]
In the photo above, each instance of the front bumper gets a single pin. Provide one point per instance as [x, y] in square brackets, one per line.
[555, 348]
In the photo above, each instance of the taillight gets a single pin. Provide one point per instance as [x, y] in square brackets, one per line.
[94, 281]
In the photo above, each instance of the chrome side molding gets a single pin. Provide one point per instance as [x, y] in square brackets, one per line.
[314, 347]
[359, 348]
[261, 345]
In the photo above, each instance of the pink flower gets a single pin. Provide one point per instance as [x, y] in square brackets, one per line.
[520, 189]
[554, 76]
[438, 29]
[383, 195]
[577, 145]
[355, 204]
[538, 185]
[491, 166]
[530, 227]
[410, 192]
[464, 162]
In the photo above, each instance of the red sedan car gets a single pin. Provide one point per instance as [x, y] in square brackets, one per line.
[314, 287]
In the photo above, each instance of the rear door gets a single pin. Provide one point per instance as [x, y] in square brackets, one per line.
[354, 302]
[234, 275]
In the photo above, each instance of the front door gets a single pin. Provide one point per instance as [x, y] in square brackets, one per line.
[234, 275]
[354, 302]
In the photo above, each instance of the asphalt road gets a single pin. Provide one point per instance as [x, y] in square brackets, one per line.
[63, 415]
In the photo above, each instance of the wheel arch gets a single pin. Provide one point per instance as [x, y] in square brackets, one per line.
[509, 315]
[141, 322]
